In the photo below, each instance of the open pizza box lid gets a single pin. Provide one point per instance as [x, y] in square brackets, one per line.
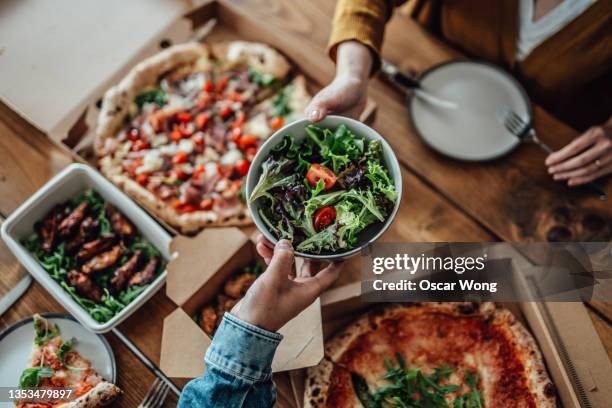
[62, 55]
[201, 266]
[572, 350]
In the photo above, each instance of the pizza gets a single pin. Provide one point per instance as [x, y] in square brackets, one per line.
[179, 132]
[459, 355]
[56, 364]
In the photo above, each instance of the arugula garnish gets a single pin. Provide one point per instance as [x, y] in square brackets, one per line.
[411, 388]
[44, 331]
[30, 377]
[64, 348]
[153, 95]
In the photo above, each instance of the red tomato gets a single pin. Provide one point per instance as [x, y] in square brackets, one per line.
[133, 134]
[225, 111]
[183, 117]
[176, 204]
[236, 133]
[199, 170]
[234, 96]
[208, 86]
[188, 208]
[251, 151]
[323, 217]
[176, 134]
[240, 117]
[277, 122]
[247, 141]
[242, 167]
[318, 172]
[142, 179]
[206, 204]
[222, 84]
[180, 157]
[198, 139]
[140, 145]
[201, 120]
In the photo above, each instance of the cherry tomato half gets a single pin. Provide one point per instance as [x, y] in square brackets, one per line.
[318, 172]
[276, 122]
[323, 217]
[142, 179]
[242, 167]
[247, 141]
[179, 157]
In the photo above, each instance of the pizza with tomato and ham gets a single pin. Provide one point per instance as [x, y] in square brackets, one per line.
[55, 363]
[463, 355]
[178, 133]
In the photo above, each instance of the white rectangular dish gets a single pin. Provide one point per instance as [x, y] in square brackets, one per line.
[69, 183]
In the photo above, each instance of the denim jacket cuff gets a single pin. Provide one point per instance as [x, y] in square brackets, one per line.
[242, 349]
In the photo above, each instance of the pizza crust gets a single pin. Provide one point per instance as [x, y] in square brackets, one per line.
[525, 347]
[117, 99]
[101, 395]
[261, 57]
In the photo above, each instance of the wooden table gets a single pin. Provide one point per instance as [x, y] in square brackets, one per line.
[510, 199]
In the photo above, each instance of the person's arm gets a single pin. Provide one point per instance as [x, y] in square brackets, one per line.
[239, 360]
[354, 44]
[585, 159]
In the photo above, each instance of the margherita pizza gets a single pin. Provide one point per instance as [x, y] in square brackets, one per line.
[432, 355]
[179, 132]
[56, 364]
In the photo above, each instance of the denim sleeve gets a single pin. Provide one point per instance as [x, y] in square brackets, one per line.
[239, 372]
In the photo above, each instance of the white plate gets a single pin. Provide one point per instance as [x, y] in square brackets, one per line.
[70, 182]
[471, 132]
[17, 343]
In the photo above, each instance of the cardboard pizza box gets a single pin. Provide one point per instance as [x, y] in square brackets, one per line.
[572, 350]
[197, 274]
[57, 83]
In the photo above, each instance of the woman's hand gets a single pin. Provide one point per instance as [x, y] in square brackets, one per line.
[586, 158]
[279, 295]
[347, 94]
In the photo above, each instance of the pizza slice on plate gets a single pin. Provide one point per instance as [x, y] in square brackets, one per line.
[172, 134]
[459, 355]
[55, 363]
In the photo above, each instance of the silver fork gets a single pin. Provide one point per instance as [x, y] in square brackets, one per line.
[523, 130]
[156, 396]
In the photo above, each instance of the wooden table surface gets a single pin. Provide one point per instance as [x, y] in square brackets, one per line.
[511, 199]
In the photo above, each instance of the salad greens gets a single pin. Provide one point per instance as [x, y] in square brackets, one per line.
[58, 263]
[411, 388]
[322, 192]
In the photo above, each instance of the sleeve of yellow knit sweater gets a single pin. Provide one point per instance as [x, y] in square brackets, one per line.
[363, 21]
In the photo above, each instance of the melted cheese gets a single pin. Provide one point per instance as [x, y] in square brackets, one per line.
[186, 145]
[258, 126]
[231, 157]
[152, 162]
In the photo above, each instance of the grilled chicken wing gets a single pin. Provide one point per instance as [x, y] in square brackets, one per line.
[69, 225]
[93, 248]
[146, 275]
[102, 261]
[125, 272]
[208, 320]
[238, 286]
[85, 286]
[47, 228]
[120, 225]
[87, 231]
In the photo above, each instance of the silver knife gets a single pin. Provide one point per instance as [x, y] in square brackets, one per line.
[15, 293]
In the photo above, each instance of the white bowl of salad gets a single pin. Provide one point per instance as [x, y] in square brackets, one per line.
[331, 188]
